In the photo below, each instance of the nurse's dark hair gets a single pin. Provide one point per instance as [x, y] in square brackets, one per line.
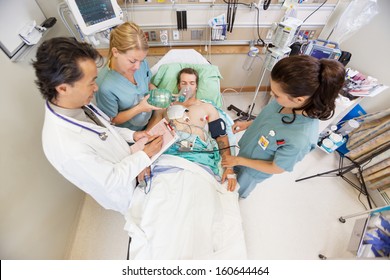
[57, 62]
[319, 79]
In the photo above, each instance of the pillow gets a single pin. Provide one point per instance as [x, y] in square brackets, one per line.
[208, 86]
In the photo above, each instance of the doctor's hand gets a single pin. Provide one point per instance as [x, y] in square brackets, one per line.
[140, 134]
[153, 146]
[231, 177]
[144, 106]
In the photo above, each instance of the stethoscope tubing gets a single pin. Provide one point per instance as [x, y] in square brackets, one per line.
[102, 135]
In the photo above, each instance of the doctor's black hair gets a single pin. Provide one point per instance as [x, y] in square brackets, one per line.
[319, 79]
[57, 62]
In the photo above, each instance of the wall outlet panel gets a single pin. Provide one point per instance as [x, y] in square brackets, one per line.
[200, 35]
[175, 35]
[196, 2]
[197, 34]
[153, 36]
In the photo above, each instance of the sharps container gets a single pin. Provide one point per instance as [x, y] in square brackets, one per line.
[328, 145]
[336, 138]
[348, 127]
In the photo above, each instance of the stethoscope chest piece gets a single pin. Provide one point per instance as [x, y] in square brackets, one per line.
[103, 136]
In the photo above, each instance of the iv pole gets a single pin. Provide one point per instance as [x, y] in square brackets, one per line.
[252, 106]
[248, 115]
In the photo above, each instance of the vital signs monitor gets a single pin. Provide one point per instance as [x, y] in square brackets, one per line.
[323, 49]
[94, 16]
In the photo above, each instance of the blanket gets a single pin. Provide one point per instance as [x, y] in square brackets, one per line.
[184, 214]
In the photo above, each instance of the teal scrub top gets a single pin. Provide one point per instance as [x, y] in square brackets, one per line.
[289, 145]
[116, 93]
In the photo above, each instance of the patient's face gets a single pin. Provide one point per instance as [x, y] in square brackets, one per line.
[188, 80]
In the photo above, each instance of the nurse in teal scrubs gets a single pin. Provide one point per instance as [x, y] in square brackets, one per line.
[304, 90]
[125, 79]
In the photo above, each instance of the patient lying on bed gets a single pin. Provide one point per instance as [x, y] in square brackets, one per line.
[184, 212]
[202, 131]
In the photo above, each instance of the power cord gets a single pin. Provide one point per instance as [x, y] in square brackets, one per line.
[315, 10]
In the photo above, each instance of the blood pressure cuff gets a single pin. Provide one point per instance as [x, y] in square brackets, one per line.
[217, 128]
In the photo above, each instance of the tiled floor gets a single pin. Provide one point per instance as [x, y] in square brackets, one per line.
[282, 219]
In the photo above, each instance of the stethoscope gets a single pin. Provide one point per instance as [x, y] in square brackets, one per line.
[102, 135]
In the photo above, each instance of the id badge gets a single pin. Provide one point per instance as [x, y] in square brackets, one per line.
[263, 142]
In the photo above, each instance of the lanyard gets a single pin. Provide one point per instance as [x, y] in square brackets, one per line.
[102, 135]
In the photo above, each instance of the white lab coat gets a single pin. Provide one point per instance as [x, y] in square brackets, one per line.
[106, 170]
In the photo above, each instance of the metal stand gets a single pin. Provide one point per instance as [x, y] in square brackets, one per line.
[362, 188]
[248, 115]
[342, 170]
[371, 211]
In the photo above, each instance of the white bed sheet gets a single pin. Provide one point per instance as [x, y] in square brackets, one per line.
[185, 215]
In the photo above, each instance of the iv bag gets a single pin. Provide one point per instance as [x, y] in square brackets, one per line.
[357, 14]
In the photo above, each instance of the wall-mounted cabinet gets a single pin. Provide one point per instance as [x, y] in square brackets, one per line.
[14, 17]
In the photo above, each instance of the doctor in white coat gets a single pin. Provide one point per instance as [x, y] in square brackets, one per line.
[77, 137]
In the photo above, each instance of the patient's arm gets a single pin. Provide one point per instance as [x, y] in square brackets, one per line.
[224, 149]
[156, 117]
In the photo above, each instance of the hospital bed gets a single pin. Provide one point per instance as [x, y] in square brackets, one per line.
[184, 212]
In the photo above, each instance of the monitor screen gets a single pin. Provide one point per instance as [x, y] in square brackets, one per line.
[95, 11]
[95, 15]
[320, 53]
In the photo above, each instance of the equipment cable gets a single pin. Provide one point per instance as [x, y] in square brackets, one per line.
[315, 10]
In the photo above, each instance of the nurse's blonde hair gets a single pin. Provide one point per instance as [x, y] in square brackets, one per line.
[127, 36]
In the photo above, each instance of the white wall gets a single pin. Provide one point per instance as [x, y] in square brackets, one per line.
[38, 208]
[370, 54]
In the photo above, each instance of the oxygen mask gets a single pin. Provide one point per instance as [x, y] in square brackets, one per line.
[184, 94]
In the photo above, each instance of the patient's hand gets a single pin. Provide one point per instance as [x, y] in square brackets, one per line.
[231, 177]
